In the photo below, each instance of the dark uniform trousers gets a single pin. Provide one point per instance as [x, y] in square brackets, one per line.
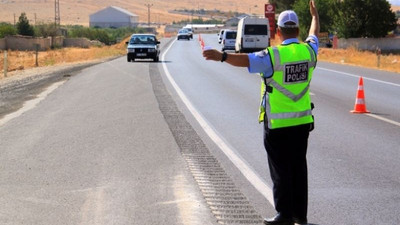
[287, 149]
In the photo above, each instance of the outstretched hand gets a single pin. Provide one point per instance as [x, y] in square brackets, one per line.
[212, 54]
[314, 28]
[238, 59]
[313, 8]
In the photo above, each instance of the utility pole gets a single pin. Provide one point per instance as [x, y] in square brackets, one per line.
[148, 13]
[57, 13]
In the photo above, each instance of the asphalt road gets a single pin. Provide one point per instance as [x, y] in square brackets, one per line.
[354, 159]
[98, 150]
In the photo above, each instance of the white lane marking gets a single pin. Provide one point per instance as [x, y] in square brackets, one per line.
[31, 103]
[94, 208]
[228, 150]
[357, 76]
[383, 119]
[371, 79]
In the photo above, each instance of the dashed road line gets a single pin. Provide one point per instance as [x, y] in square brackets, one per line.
[357, 76]
[371, 79]
[226, 148]
[383, 119]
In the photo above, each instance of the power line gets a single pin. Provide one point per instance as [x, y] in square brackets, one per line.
[148, 13]
[57, 13]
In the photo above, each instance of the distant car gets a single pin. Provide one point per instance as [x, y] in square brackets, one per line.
[183, 34]
[190, 30]
[143, 46]
[229, 40]
[220, 35]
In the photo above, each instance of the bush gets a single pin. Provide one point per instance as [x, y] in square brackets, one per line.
[7, 29]
[199, 21]
[45, 30]
[107, 36]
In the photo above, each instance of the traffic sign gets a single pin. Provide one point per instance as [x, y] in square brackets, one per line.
[269, 8]
[270, 14]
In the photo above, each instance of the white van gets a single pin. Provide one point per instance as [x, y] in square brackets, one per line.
[228, 40]
[252, 34]
[221, 35]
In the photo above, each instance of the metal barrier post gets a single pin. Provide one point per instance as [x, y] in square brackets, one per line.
[5, 67]
[37, 46]
[378, 54]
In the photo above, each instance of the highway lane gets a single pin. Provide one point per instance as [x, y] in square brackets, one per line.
[355, 156]
[97, 150]
[69, 159]
[353, 159]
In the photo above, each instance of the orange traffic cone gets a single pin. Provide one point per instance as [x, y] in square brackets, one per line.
[360, 106]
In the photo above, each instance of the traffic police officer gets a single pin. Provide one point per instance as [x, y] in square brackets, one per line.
[286, 71]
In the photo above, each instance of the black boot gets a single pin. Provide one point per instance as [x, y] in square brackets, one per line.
[278, 219]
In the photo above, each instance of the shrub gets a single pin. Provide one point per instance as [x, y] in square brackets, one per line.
[7, 29]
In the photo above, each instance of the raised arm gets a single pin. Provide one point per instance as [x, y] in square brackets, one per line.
[239, 60]
[314, 28]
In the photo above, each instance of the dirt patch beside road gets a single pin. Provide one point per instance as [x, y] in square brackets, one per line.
[25, 85]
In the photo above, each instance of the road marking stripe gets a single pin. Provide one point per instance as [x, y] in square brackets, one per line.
[366, 78]
[357, 76]
[383, 119]
[228, 150]
[31, 103]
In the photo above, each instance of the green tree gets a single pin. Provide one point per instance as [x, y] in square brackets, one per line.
[7, 29]
[91, 33]
[367, 18]
[102, 36]
[326, 14]
[46, 30]
[282, 5]
[23, 26]
[105, 35]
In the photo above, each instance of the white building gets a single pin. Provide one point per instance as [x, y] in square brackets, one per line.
[113, 17]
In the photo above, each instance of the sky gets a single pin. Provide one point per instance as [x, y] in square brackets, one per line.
[395, 2]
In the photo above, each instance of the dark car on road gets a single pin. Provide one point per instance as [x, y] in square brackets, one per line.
[143, 46]
[183, 34]
[190, 31]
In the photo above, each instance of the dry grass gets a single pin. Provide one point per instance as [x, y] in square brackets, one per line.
[395, 8]
[19, 60]
[77, 12]
[353, 56]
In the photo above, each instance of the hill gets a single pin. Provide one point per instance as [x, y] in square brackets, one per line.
[78, 11]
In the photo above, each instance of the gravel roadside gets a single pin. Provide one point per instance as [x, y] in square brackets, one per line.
[23, 85]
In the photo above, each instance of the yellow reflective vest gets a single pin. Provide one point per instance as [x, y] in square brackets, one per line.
[285, 98]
